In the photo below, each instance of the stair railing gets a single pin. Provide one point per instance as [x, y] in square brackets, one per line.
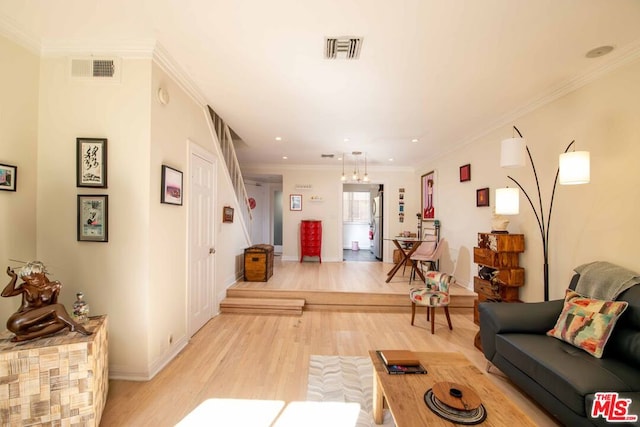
[223, 132]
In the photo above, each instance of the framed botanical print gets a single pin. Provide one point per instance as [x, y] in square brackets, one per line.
[93, 218]
[428, 196]
[91, 162]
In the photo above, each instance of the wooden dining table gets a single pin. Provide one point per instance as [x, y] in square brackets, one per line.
[407, 246]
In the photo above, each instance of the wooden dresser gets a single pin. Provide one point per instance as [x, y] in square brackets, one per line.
[499, 273]
[311, 239]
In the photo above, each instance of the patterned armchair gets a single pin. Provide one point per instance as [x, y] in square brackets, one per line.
[434, 294]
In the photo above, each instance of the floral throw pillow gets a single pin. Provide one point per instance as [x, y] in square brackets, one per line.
[587, 323]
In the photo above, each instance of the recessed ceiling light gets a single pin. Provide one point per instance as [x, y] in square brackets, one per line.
[346, 140]
[599, 51]
[284, 157]
[391, 159]
[415, 140]
[278, 138]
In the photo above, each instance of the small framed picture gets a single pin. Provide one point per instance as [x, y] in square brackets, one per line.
[427, 196]
[465, 173]
[295, 202]
[227, 214]
[91, 162]
[482, 197]
[171, 187]
[93, 218]
[8, 177]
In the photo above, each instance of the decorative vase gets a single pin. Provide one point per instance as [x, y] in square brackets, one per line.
[499, 224]
[80, 308]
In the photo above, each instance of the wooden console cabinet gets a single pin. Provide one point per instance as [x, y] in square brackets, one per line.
[311, 239]
[497, 256]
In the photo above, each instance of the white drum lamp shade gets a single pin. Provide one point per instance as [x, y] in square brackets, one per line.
[574, 168]
[512, 153]
[507, 201]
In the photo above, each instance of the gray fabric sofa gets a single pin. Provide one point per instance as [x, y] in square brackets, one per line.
[560, 377]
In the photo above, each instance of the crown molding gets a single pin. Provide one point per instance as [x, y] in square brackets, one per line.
[623, 56]
[132, 49]
[273, 168]
[166, 62]
[12, 31]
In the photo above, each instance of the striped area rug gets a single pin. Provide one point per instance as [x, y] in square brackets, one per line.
[345, 379]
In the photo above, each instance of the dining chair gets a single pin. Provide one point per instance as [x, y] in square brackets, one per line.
[434, 294]
[429, 255]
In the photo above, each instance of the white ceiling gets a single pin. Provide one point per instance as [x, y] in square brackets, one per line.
[442, 71]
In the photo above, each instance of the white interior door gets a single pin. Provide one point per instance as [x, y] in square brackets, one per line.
[201, 240]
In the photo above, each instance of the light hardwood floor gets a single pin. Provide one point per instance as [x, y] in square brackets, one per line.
[266, 356]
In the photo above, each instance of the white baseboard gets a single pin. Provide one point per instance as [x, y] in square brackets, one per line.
[121, 373]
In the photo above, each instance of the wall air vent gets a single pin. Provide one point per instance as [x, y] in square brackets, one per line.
[327, 156]
[96, 69]
[342, 47]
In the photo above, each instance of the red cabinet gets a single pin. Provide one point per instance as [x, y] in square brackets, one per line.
[311, 239]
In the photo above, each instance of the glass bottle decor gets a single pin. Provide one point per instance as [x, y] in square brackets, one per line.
[80, 308]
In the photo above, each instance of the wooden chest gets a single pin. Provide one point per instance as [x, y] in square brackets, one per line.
[258, 263]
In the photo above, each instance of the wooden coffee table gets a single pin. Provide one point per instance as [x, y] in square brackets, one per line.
[404, 394]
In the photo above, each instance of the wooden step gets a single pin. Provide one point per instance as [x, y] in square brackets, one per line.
[317, 300]
[262, 305]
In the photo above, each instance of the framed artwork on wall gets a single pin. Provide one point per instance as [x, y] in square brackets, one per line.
[295, 202]
[93, 218]
[482, 197]
[428, 199]
[465, 173]
[227, 214]
[8, 177]
[91, 162]
[171, 188]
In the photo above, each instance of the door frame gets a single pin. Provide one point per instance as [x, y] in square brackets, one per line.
[197, 150]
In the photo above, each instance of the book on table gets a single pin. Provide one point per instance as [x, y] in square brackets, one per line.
[394, 356]
[399, 357]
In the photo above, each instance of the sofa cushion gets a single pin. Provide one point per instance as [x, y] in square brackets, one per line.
[587, 323]
[565, 371]
[625, 340]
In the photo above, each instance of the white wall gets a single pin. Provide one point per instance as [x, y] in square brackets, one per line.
[139, 277]
[18, 147]
[589, 222]
[114, 276]
[326, 185]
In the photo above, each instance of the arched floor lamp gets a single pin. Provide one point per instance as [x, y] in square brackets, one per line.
[574, 168]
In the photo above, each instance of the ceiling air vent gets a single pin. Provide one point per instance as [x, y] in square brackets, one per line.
[327, 156]
[103, 69]
[342, 47]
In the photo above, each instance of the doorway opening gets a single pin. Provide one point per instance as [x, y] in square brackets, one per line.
[362, 222]
[265, 200]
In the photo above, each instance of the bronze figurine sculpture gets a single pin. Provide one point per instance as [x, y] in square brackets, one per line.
[40, 313]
